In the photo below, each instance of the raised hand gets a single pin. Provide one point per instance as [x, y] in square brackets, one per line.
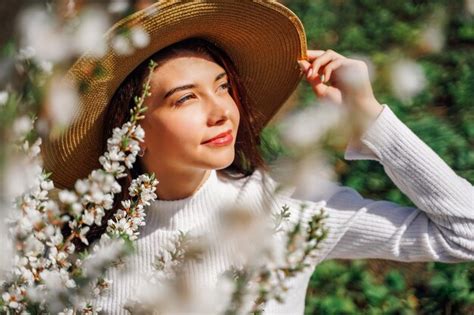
[341, 80]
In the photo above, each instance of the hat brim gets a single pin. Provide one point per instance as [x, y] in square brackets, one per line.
[264, 39]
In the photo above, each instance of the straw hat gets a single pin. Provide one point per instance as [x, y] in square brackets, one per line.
[263, 38]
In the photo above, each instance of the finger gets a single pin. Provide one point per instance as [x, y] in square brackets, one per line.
[304, 65]
[313, 81]
[330, 68]
[328, 93]
[317, 63]
[324, 59]
[313, 54]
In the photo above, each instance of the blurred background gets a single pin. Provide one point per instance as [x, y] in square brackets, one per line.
[421, 58]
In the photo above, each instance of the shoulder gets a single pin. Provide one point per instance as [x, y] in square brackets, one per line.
[262, 189]
[259, 183]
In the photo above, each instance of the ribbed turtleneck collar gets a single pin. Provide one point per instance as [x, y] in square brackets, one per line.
[187, 212]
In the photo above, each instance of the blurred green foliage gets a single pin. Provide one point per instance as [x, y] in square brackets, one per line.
[352, 289]
[338, 287]
[442, 115]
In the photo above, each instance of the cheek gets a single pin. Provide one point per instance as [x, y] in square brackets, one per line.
[236, 115]
[175, 131]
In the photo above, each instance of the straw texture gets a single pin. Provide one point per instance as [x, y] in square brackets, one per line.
[263, 38]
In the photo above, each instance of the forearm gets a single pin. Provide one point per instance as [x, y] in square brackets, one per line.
[446, 198]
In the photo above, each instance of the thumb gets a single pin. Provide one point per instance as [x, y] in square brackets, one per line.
[320, 89]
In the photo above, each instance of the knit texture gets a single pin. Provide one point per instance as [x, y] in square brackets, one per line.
[441, 228]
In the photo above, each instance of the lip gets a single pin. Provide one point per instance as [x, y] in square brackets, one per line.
[224, 138]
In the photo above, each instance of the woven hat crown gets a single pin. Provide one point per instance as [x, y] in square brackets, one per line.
[264, 39]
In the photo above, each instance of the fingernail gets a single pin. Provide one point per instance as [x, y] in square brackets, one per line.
[323, 78]
[310, 72]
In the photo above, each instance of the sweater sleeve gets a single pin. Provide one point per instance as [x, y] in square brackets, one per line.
[441, 228]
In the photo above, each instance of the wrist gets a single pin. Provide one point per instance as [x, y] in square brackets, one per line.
[370, 108]
[364, 114]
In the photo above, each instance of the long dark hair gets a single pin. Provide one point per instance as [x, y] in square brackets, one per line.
[247, 151]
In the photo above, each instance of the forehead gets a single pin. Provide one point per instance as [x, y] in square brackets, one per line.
[186, 66]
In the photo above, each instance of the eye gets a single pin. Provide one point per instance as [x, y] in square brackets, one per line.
[183, 99]
[225, 86]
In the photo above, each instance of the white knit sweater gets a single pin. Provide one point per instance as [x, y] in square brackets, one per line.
[441, 228]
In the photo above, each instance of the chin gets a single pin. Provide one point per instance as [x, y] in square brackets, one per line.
[227, 164]
[222, 163]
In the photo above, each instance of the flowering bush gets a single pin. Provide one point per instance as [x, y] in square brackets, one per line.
[50, 272]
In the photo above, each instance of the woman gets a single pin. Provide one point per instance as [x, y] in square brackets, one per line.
[224, 69]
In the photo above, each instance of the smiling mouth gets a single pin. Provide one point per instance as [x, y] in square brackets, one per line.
[224, 138]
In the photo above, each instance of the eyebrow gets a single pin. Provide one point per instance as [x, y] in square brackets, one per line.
[190, 86]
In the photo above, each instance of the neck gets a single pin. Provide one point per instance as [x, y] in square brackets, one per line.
[174, 185]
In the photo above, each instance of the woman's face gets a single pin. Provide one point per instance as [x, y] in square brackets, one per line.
[190, 104]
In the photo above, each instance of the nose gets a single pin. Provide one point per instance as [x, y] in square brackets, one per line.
[218, 111]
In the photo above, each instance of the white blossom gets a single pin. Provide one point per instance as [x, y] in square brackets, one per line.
[134, 146]
[469, 4]
[140, 38]
[67, 197]
[81, 186]
[56, 239]
[66, 311]
[102, 286]
[115, 155]
[46, 66]
[33, 247]
[120, 226]
[6, 260]
[110, 166]
[21, 175]
[298, 129]
[221, 294]
[139, 133]
[144, 187]
[61, 103]
[47, 184]
[151, 12]
[242, 224]
[311, 177]
[26, 53]
[3, 97]
[41, 32]
[88, 217]
[101, 182]
[88, 36]
[407, 79]
[35, 150]
[432, 36]
[104, 253]
[11, 299]
[76, 208]
[118, 6]
[82, 235]
[117, 135]
[22, 125]
[130, 160]
[79, 231]
[126, 204]
[121, 45]
[24, 226]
